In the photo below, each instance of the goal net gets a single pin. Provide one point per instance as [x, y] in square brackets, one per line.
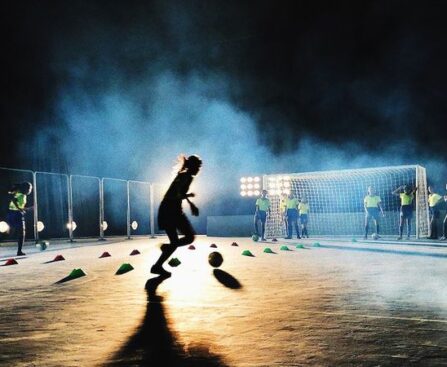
[336, 200]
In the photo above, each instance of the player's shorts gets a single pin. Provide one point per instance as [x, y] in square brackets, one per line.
[406, 211]
[15, 219]
[372, 213]
[304, 218]
[261, 215]
[292, 214]
[434, 212]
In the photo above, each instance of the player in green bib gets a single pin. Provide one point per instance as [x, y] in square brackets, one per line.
[262, 209]
[372, 204]
[434, 201]
[406, 195]
[292, 216]
[444, 224]
[17, 210]
[303, 209]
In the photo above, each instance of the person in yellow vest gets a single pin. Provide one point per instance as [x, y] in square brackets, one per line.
[17, 210]
[373, 206]
[406, 195]
[262, 209]
[303, 210]
[444, 224]
[283, 211]
[292, 216]
[434, 201]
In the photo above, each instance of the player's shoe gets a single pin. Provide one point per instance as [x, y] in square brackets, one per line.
[288, 238]
[158, 269]
[408, 238]
[399, 238]
[298, 237]
[443, 238]
[20, 253]
[263, 239]
[365, 237]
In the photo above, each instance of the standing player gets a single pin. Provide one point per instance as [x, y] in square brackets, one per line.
[406, 195]
[303, 208]
[444, 224]
[16, 212]
[372, 204]
[283, 211]
[262, 208]
[170, 214]
[434, 200]
[292, 216]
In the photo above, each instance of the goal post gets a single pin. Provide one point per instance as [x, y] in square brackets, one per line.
[336, 199]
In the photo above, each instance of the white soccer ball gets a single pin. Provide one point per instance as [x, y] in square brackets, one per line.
[375, 236]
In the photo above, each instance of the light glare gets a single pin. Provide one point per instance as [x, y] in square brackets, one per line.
[134, 225]
[4, 227]
[40, 226]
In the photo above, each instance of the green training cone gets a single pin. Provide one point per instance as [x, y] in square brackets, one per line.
[284, 248]
[75, 274]
[268, 250]
[174, 262]
[124, 268]
[354, 240]
[247, 253]
[316, 244]
[299, 245]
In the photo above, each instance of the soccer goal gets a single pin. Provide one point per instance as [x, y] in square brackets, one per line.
[336, 199]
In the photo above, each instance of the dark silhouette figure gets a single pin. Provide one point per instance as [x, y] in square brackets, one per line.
[170, 215]
[155, 345]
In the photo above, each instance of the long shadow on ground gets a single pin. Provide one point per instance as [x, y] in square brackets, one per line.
[154, 344]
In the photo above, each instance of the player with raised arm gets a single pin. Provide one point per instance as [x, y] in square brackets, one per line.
[303, 209]
[292, 216]
[434, 201]
[17, 210]
[261, 212]
[373, 205]
[406, 195]
[170, 214]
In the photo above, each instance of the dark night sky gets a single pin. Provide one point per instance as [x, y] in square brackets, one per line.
[372, 73]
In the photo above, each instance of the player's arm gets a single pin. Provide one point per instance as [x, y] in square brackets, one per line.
[364, 205]
[379, 204]
[397, 191]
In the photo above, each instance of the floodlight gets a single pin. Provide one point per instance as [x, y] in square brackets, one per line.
[250, 193]
[243, 186]
[134, 225]
[256, 179]
[257, 193]
[249, 179]
[72, 225]
[256, 186]
[243, 179]
[243, 193]
[249, 186]
[104, 225]
[40, 226]
[4, 227]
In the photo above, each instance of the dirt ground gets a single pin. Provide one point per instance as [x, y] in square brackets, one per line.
[340, 304]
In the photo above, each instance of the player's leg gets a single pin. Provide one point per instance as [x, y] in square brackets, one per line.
[444, 229]
[289, 224]
[366, 226]
[166, 251]
[255, 223]
[185, 228]
[263, 221]
[408, 227]
[22, 234]
[401, 225]
[297, 229]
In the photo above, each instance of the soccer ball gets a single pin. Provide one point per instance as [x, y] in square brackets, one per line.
[375, 236]
[215, 259]
[42, 245]
[255, 238]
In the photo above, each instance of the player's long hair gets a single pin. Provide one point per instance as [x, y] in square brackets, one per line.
[184, 163]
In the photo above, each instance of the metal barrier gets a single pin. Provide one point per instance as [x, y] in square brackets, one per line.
[53, 199]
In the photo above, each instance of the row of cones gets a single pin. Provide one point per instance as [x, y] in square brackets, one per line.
[268, 250]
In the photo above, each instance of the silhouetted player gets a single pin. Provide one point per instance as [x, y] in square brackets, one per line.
[170, 215]
[292, 216]
[303, 209]
[406, 208]
[16, 212]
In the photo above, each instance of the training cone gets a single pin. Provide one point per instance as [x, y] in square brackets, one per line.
[354, 240]
[213, 245]
[247, 253]
[234, 244]
[10, 262]
[59, 258]
[299, 246]
[316, 244]
[274, 240]
[284, 248]
[124, 268]
[268, 250]
[191, 247]
[174, 262]
[135, 252]
[75, 274]
[105, 254]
